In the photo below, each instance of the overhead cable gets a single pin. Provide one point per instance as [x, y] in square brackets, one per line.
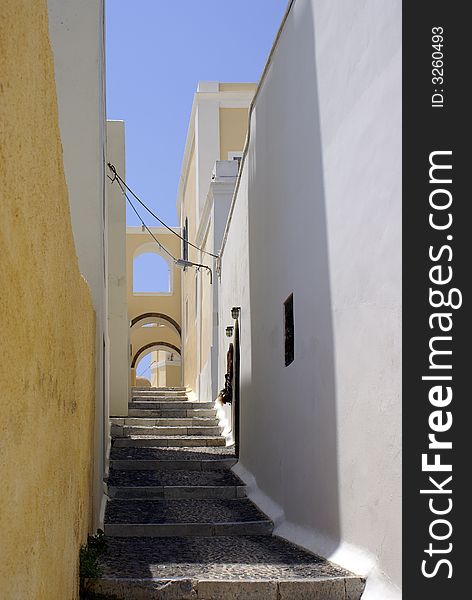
[122, 182]
[163, 248]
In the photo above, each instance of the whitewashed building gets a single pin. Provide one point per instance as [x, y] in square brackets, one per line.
[310, 258]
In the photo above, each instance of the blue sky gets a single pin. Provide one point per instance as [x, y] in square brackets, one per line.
[156, 53]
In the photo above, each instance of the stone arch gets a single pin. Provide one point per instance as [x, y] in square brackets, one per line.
[156, 315]
[152, 345]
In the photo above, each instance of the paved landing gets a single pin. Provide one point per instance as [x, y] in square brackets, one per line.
[224, 568]
[258, 557]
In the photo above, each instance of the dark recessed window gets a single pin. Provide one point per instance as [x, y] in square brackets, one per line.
[185, 241]
[289, 331]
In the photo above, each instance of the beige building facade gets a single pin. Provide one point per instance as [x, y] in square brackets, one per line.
[217, 132]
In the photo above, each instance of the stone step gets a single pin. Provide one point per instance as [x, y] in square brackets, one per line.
[164, 405]
[170, 399]
[175, 484]
[172, 465]
[176, 492]
[125, 431]
[145, 394]
[165, 422]
[144, 441]
[220, 568]
[159, 389]
[171, 413]
[173, 458]
[185, 517]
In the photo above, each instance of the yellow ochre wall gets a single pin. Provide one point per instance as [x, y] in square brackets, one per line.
[233, 130]
[47, 373]
[139, 304]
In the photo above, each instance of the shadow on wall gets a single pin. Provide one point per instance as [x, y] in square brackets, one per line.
[288, 414]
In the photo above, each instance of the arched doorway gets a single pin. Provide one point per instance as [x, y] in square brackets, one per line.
[163, 368]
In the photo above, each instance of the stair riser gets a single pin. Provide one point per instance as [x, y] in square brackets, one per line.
[117, 431]
[171, 414]
[169, 443]
[188, 529]
[176, 492]
[173, 465]
[333, 588]
[170, 422]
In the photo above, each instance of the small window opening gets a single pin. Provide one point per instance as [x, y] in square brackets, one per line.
[196, 295]
[289, 331]
[151, 274]
[186, 318]
[185, 240]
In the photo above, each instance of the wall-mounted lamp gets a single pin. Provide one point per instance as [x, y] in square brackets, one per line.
[182, 264]
[229, 331]
[235, 311]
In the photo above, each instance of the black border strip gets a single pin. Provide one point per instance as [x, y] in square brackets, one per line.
[439, 126]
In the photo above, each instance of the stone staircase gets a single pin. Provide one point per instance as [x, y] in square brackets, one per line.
[179, 525]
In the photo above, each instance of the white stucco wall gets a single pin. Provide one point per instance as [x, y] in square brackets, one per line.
[320, 439]
[234, 290]
[209, 236]
[118, 323]
[77, 36]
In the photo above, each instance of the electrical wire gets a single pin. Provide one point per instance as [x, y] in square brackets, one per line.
[142, 222]
[120, 180]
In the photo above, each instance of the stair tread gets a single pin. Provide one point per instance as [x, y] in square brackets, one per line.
[165, 431]
[164, 388]
[159, 399]
[172, 478]
[218, 558]
[170, 437]
[156, 421]
[173, 453]
[182, 413]
[144, 428]
[166, 405]
[159, 511]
